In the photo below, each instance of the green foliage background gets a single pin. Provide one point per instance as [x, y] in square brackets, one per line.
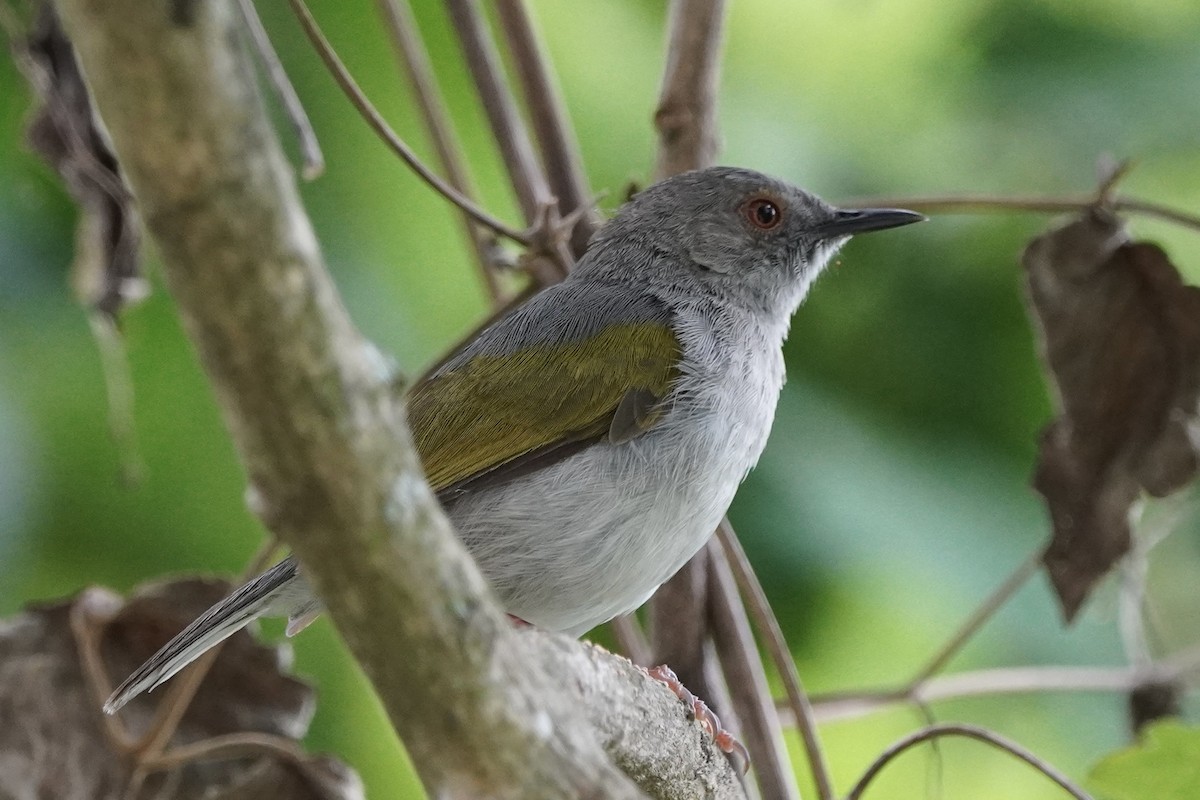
[893, 495]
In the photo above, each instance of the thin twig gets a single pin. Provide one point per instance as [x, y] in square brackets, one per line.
[1131, 598]
[410, 50]
[548, 115]
[183, 689]
[993, 603]
[90, 613]
[88, 621]
[839, 706]
[227, 746]
[538, 205]
[747, 681]
[679, 626]
[508, 129]
[971, 732]
[686, 117]
[1110, 172]
[369, 113]
[311, 159]
[977, 203]
[768, 626]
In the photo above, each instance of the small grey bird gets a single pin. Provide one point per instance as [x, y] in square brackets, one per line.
[586, 445]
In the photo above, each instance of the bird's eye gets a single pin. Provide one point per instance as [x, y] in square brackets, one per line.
[763, 214]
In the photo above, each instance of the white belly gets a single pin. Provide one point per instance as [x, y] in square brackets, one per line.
[580, 542]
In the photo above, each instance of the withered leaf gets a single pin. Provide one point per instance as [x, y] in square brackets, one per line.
[1120, 335]
[53, 743]
[1153, 701]
[64, 132]
[107, 272]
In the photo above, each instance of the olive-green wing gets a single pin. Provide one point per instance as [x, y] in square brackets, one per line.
[491, 415]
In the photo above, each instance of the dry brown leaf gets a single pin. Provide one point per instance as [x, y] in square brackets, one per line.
[64, 132]
[1153, 701]
[107, 271]
[1120, 336]
[53, 743]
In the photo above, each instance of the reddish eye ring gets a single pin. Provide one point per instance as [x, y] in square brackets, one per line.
[763, 214]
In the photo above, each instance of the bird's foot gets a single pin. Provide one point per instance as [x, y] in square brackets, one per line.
[705, 716]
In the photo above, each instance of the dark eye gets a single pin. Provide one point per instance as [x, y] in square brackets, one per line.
[763, 214]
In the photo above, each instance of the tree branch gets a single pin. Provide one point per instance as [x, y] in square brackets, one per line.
[839, 706]
[797, 698]
[548, 114]
[315, 417]
[373, 118]
[747, 680]
[934, 732]
[311, 159]
[552, 259]
[989, 203]
[980, 617]
[410, 50]
[686, 117]
[509, 131]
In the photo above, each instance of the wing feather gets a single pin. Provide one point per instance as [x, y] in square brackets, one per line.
[525, 406]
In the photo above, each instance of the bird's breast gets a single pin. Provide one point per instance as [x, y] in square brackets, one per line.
[591, 537]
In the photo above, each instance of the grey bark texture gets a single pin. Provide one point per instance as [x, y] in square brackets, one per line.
[315, 415]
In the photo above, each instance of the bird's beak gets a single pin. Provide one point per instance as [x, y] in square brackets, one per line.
[862, 220]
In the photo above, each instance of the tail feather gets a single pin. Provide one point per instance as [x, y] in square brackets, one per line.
[215, 625]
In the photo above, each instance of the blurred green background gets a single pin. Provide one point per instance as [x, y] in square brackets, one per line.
[893, 495]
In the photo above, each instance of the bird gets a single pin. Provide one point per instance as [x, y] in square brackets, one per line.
[587, 444]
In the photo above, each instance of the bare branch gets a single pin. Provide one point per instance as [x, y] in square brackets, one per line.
[551, 125]
[1110, 172]
[971, 732]
[678, 626]
[768, 625]
[686, 120]
[180, 693]
[314, 414]
[988, 203]
[924, 689]
[979, 617]
[533, 194]
[311, 159]
[1131, 606]
[229, 746]
[747, 681]
[686, 117]
[1005, 680]
[406, 41]
[508, 129]
[369, 113]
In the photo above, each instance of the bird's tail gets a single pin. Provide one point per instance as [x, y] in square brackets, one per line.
[279, 590]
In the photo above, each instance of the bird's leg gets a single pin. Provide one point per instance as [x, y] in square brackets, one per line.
[518, 622]
[704, 715]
